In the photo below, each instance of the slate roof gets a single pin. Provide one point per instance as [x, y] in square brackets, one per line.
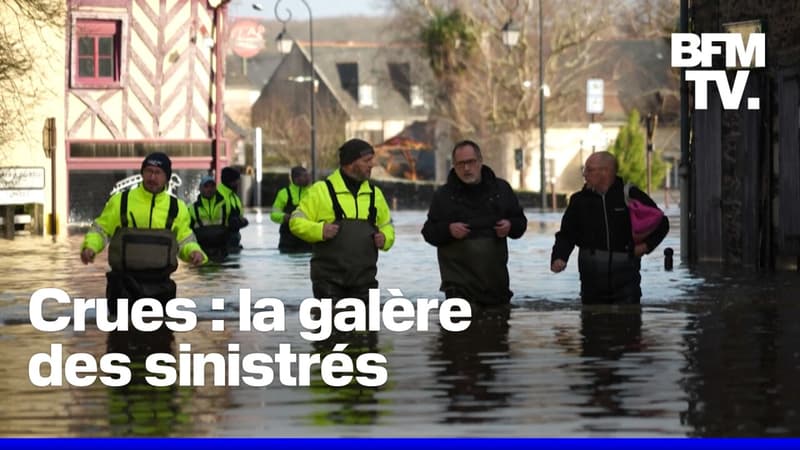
[259, 69]
[391, 93]
[339, 29]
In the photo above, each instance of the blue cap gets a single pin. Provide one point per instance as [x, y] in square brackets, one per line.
[206, 179]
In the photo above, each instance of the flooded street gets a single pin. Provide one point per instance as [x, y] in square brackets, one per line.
[709, 352]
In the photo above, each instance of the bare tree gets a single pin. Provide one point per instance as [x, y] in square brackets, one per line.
[287, 136]
[20, 65]
[648, 18]
[484, 88]
[487, 90]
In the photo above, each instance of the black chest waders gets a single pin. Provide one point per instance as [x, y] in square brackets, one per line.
[142, 259]
[212, 238]
[346, 265]
[290, 243]
[609, 277]
[235, 222]
[475, 270]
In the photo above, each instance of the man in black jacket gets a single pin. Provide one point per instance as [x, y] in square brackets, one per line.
[598, 222]
[468, 222]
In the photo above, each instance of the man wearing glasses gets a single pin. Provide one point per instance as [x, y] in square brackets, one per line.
[597, 221]
[469, 221]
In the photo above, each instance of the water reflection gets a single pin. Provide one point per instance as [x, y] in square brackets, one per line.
[709, 353]
[467, 361]
[139, 409]
[743, 359]
[353, 403]
[607, 335]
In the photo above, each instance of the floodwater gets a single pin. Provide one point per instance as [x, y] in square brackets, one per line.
[711, 352]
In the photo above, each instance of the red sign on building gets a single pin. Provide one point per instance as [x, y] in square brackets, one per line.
[247, 37]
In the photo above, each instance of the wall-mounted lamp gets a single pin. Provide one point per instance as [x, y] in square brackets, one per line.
[510, 33]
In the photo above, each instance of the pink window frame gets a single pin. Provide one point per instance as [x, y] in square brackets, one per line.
[97, 28]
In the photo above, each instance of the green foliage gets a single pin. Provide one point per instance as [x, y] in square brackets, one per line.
[629, 148]
[449, 41]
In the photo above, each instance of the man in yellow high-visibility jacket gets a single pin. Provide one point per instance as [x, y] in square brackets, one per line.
[235, 221]
[146, 229]
[286, 201]
[346, 219]
[209, 215]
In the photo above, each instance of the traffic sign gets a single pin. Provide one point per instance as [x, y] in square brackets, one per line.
[594, 96]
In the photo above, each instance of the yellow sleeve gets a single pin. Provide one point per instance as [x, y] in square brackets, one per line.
[309, 217]
[104, 226]
[237, 202]
[192, 215]
[187, 243]
[384, 219]
[277, 207]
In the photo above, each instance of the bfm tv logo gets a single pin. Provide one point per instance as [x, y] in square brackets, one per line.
[692, 50]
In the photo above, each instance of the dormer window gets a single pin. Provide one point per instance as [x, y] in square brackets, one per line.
[348, 77]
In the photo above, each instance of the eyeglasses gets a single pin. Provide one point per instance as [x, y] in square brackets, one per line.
[465, 163]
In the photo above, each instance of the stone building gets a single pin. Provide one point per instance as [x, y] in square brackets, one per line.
[744, 164]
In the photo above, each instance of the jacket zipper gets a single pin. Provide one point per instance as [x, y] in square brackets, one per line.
[605, 217]
[355, 200]
[608, 239]
[152, 206]
[209, 208]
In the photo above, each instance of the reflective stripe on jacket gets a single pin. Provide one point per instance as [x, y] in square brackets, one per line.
[232, 200]
[145, 210]
[208, 211]
[316, 209]
[286, 201]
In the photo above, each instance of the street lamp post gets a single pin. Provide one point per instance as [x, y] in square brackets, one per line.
[284, 48]
[542, 181]
[510, 35]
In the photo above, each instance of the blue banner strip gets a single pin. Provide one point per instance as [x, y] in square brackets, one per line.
[398, 444]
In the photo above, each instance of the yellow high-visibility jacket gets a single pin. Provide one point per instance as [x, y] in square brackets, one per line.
[145, 210]
[282, 199]
[232, 200]
[316, 209]
[208, 211]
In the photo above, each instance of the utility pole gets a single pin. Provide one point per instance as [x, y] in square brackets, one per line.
[651, 121]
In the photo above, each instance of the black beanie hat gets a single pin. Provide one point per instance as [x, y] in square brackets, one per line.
[354, 149]
[297, 171]
[160, 160]
[229, 175]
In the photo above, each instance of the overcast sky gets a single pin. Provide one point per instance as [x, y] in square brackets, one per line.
[319, 8]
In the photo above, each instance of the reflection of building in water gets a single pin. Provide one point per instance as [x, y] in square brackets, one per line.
[742, 365]
[469, 375]
[136, 409]
[26, 410]
[352, 404]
